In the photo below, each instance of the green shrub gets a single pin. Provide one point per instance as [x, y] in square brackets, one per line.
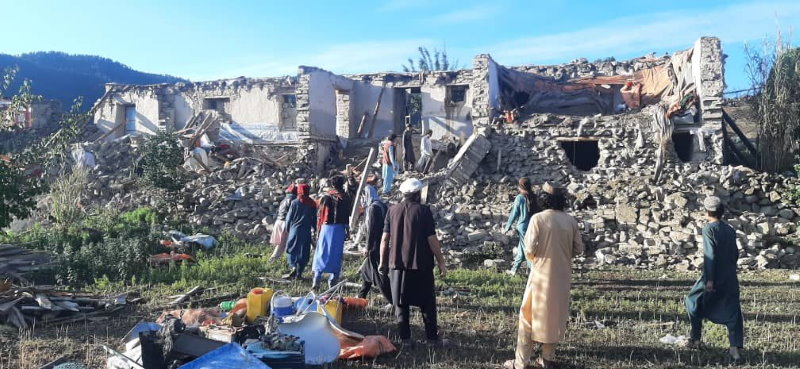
[145, 215]
[162, 155]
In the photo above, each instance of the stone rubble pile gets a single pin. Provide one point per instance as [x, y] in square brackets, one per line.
[626, 219]
[241, 197]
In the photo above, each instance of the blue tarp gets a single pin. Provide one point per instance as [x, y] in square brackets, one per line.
[230, 356]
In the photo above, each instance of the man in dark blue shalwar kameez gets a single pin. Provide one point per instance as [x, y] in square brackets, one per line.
[715, 296]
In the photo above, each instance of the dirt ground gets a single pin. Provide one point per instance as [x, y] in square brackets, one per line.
[616, 321]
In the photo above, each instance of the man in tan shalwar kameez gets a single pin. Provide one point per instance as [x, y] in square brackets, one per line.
[552, 240]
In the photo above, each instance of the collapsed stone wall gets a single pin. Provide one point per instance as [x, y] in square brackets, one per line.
[241, 197]
[626, 219]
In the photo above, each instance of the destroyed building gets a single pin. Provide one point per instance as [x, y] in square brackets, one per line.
[328, 109]
[38, 115]
[588, 125]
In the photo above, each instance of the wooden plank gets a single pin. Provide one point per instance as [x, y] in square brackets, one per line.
[577, 139]
[741, 157]
[746, 141]
[363, 123]
[359, 193]
[375, 113]
[196, 290]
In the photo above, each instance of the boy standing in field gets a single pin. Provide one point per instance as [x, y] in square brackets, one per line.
[715, 296]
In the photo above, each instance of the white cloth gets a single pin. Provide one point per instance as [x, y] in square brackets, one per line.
[425, 146]
[83, 158]
[197, 160]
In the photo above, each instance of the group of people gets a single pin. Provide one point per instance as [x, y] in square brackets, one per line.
[402, 251]
[550, 238]
[391, 166]
[299, 217]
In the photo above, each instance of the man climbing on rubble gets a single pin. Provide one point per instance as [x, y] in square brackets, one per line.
[332, 226]
[389, 161]
[409, 252]
[715, 296]
[374, 217]
[279, 230]
[525, 206]
[409, 159]
[300, 220]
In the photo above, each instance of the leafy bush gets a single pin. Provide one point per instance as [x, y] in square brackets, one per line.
[21, 178]
[65, 196]
[793, 194]
[162, 155]
[111, 246]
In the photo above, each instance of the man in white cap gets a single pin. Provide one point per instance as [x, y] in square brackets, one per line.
[715, 296]
[409, 252]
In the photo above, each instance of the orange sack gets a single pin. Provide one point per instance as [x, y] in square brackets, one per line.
[370, 347]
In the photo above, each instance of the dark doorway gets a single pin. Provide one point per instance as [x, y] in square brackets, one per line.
[521, 98]
[684, 145]
[582, 154]
[408, 103]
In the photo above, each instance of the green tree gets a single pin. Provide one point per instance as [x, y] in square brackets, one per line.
[425, 62]
[22, 175]
[774, 73]
[162, 156]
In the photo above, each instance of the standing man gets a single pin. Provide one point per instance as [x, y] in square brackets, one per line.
[715, 296]
[426, 155]
[525, 206]
[389, 161]
[332, 226]
[374, 218]
[279, 230]
[551, 241]
[409, 159]
[300, 220]
[408, 250]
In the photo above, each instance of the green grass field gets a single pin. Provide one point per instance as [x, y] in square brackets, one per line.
[478, 313]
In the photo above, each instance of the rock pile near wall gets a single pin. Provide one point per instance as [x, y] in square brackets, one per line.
[241, 197]
[626, 219]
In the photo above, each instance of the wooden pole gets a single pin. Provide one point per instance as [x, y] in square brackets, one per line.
[375, 112]
[354, 214]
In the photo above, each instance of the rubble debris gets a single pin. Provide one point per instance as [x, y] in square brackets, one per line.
[23, 307]
[16, 261]
[469, 157]
[629, 220]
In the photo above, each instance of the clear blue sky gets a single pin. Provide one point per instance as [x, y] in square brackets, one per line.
[203, 40]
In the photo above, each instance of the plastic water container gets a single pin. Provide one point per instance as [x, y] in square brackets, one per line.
[257, 301]
[282, 305]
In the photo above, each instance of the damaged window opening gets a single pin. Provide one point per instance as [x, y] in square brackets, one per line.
[130, 118]
[684, 145]
[414, 113]
[583, 154]
[457, 94]
[216, 103]
[290, 101]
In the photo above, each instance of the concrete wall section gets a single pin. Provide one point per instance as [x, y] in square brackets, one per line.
[111, 112]
[443, 116]
[253, 107]
[318, 107]
[365, 98]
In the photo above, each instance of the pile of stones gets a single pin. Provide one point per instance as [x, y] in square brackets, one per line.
[626, 219]
[241, 196]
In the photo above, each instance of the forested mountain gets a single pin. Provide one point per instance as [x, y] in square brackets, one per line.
[61, 76]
